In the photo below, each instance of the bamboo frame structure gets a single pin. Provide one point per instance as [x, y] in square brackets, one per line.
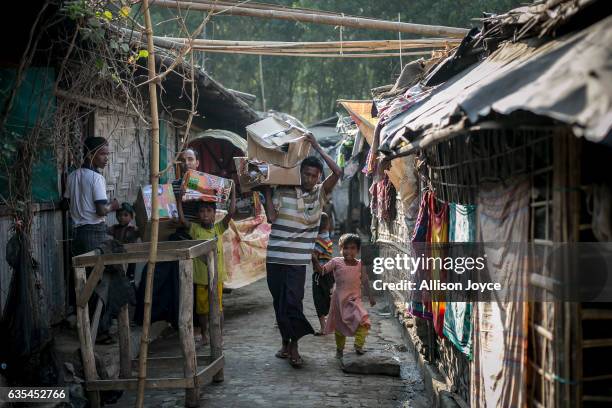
[314, 18]
[194, 374]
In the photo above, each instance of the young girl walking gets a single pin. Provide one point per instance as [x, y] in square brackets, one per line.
[347, 316]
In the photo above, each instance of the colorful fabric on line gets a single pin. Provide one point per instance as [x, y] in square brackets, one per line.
[421, 307]
[462, 223]
[498, 376]
[437, 234]
[458, 315]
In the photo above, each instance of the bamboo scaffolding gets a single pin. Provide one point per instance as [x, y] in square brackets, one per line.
[316, 18]
[144, 341]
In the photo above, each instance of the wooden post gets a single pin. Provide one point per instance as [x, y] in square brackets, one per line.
[96, 320]
[154, 170]
[192, 395]
[214, 317]
[125, 346]
[87, 350]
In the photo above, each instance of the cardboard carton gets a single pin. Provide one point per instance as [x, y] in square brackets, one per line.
[167, 211]
[200, 186]
[276, 142]
[253, 173]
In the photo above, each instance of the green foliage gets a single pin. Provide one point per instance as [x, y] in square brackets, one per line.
[309, 87]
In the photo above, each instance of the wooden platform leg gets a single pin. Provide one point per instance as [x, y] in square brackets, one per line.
[192, 395]
[214, 317]
[83, 328]
[125, 346]
[96, 320]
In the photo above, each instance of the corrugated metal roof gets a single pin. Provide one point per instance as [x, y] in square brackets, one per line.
[567, 80]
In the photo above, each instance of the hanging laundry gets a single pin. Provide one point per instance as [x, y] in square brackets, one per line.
[458, 315]
[419, 304]
[388, 200]
[401, 104]
[498, 376]
[374, 199]
[462, 223]
[344, 151]
[371, 163]
[437, 234]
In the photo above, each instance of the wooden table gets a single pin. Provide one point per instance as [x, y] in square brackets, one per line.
[212, 366]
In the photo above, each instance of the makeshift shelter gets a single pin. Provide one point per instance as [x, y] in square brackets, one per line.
[510, 135]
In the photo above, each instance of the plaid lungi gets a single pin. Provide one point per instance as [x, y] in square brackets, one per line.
[88, 237]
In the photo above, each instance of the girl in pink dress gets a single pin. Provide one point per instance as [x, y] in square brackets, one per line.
[347, 315]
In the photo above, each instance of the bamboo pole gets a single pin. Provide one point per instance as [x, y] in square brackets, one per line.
[316, 18]
[308, 49]
[144, 341]
[391, 44]
[319, 55]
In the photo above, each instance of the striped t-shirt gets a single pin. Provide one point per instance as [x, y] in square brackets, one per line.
[297, 224]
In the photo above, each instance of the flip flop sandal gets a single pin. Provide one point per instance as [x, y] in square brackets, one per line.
[281, 354]
[296, 362]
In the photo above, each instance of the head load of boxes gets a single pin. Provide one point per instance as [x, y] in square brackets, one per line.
[274, 153]
[275, 150]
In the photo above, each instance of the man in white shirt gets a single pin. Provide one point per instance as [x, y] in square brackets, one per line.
[86, 192]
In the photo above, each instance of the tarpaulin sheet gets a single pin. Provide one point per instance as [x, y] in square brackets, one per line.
[33, 100]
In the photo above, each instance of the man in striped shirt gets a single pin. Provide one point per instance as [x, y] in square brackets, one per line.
[295, 214]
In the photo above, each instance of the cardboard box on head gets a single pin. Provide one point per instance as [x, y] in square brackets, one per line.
[253, 173]
[200, 186]
[277, 142]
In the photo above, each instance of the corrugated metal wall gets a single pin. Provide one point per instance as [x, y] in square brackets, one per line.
[48, 251]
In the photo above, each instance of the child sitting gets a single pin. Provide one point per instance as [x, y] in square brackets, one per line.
[125, 232]
[206, 229]
[347, 316]
[322, 284]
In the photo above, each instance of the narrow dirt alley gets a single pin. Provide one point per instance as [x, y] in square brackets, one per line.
[255, 378]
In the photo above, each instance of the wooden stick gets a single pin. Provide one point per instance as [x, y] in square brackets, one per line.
[192, 395]
[392, 44]
[316, 18]
[144, 341]
[293, 54]
[90, 285]
[305, 50]
[125, 345]
[85, 340]
[96, 320]
[214, 317]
